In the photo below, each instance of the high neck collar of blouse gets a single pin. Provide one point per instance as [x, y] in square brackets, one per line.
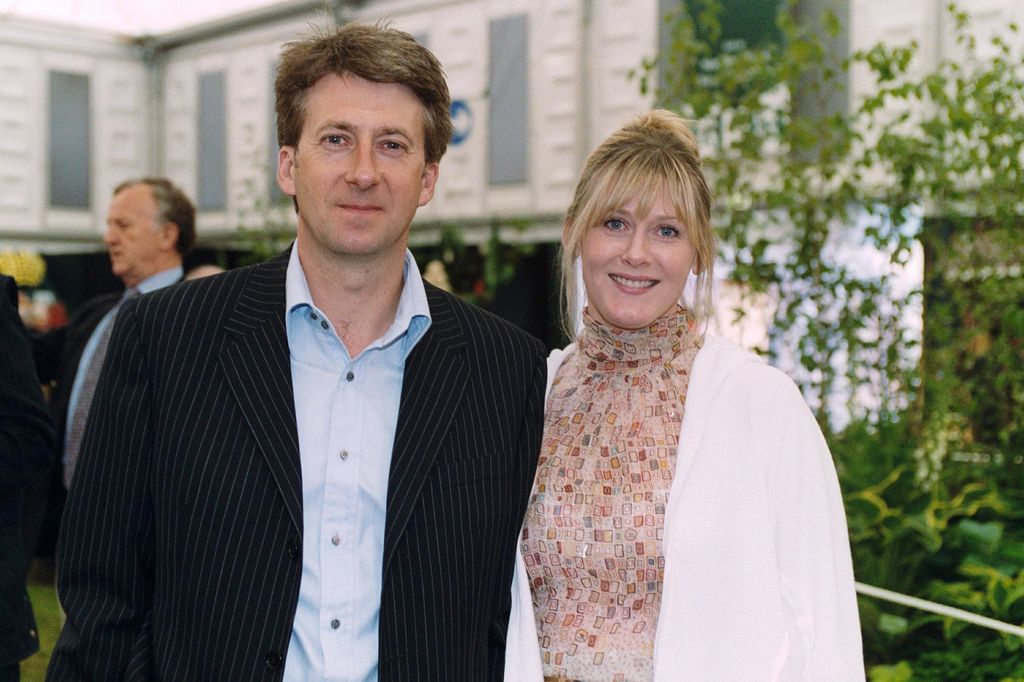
[661, 341]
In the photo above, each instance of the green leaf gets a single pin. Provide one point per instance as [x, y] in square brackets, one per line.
[901, 672]
[867, 505]
[981, 537]
[892, 624]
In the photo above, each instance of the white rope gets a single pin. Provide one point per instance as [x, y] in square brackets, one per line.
[941, 609]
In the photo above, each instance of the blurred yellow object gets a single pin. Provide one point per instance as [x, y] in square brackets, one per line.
[437, 275]
[26, 267]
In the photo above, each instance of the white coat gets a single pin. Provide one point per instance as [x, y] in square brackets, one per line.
[758, 577]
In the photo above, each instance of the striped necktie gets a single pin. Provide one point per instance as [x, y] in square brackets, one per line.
[90, 379]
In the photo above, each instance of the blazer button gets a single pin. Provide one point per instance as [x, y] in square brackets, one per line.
[293, 550]
[273, 660]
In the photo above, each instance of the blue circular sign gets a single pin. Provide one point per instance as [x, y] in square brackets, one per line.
[462, 121]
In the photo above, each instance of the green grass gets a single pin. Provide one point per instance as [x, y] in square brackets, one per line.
[48, 619]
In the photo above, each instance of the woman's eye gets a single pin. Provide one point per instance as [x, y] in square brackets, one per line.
[614, 224]
[668, 231]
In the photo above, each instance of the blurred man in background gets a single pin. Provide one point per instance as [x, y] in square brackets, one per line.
[150, 227]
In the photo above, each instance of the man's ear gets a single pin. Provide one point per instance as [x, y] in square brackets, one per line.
[285, 166]
[169, 236]
[430, 175]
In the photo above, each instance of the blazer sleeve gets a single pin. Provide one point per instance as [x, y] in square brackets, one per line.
[26, 432]
[527, 452]
[105, 545]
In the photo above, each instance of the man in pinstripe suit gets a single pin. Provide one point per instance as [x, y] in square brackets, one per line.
[316, 467]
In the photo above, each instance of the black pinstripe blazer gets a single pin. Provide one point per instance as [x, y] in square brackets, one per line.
[181, 549]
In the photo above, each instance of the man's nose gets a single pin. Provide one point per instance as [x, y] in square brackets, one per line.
[362, 170]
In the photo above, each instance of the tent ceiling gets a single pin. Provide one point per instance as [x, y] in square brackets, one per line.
[130, 17]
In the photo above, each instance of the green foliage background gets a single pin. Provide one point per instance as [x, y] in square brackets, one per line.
[931, 462]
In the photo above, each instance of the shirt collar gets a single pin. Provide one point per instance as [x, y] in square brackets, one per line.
[412, 317]
[164, 278]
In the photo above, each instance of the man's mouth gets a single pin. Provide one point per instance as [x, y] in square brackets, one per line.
[359, 208]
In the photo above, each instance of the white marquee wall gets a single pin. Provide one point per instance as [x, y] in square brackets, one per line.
[144, 100]
[120, 132]
[144, 110]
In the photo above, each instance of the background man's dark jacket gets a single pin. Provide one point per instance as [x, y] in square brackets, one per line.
[57, 354]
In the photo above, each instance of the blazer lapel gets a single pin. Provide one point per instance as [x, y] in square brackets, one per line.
[257, 365]
[432, 389]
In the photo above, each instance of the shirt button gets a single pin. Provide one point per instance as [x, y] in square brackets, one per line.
[313, 316]
[335, 624]
[343, 455]
[335, 539]
[323, 323]
[350, 376]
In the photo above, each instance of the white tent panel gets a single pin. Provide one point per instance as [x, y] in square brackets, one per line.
[130, 17]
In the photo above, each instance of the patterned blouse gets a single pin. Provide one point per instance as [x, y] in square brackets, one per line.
[594, 527]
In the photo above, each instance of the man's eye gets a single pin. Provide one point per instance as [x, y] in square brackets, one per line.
[333, 139]
[392, 146]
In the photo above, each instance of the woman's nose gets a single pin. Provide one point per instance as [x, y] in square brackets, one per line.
[636, 248]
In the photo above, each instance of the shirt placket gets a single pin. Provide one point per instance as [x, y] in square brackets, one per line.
[340, 520]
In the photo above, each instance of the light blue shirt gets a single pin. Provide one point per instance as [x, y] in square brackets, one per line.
[346, 410]
[152, 283]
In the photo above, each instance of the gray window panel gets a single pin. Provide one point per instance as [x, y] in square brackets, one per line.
[508, 120]
[213, 146]
[69, 141]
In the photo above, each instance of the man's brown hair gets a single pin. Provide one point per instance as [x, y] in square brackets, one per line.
[375, 53]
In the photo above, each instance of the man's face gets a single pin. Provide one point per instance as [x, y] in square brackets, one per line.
[139, 246]
[358, 172]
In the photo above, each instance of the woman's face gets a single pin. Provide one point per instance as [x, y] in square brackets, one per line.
[635, 266]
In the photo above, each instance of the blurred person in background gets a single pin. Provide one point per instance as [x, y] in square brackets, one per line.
[150, 227]
[686, 520]
[26, 450]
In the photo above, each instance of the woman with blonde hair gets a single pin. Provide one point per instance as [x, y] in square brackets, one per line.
[686, 521]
